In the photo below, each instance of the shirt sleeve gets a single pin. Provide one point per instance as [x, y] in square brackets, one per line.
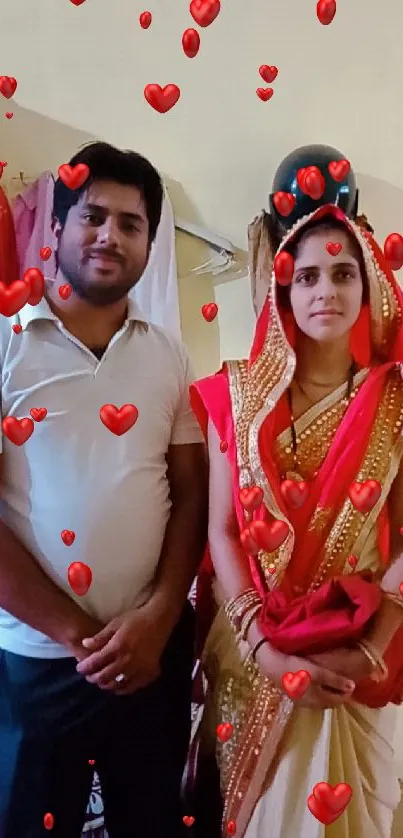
[185, 429]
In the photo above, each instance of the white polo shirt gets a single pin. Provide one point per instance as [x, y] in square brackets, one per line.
[75, 474]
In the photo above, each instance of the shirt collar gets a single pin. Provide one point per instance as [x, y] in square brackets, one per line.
[42, 311]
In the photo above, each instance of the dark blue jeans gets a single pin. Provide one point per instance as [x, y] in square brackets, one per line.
[52, 722]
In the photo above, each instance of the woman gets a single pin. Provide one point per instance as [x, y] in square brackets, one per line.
[318, 406]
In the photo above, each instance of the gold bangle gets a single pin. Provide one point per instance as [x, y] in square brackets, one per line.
[376, 659]
[368, 654]
[238, 607]
[248, 620]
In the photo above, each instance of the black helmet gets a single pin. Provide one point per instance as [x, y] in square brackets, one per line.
[343, 194]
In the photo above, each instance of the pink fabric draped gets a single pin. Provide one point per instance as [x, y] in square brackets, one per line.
[32, 212]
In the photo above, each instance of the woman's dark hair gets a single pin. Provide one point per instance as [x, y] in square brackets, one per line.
[283, 291]
[128, 168]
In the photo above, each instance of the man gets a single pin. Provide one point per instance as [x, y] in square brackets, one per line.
[105, 675]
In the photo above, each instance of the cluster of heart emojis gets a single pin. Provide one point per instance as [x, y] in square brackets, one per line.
[117, 420]
[270, 535]
[230, 828]
[8, 86]
[203, 12]
[268, 74]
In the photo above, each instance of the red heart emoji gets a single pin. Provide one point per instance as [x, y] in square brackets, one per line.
[45, 253]
[224, 731]
[248, 543]
[80, 578]
[145, 19]
[77, 2]
[48, 821]
[191, 42]
[294, 492]
[231, 828]
[91, 762]
[326, 10]
[269, 536]
[365, 495]
[268, 73]
[353, 561]
[17, 328]
[13, 297]
[209, 311]
[65, 291]
[265, 93]
[333, 248]
[38, 413]
[9, 115]
[68, 537]
[204, 11]
[223, 446]
[284, 202]
[8, 86]
[36, 282]
[321, 812]
[335, 798]
[251, 498]
[314, 183]
[73, 176]
[162, 99]
[119, 420]
[393, 250]
[188, 820]
[295, 684]
[284, 268]
[339, 169]
[17, 430]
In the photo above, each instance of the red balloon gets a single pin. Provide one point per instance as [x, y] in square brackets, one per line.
[393, 250]
[191, 42]
[80, 578]
[284, 268]
[325, 11]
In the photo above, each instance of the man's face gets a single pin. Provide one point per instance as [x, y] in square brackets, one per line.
[103, 248]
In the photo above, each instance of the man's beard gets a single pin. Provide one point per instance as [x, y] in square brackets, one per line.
[96, 295]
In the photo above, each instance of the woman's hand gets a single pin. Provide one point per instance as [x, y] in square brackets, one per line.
[352, 663]
[327, 689]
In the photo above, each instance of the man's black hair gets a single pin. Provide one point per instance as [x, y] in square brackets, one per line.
[128, 168]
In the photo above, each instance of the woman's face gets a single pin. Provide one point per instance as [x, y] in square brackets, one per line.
[326, 291]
